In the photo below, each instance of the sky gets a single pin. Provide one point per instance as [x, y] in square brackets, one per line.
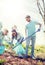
[14, 12]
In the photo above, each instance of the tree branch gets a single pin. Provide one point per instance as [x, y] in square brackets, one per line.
[38, 4]
[41, 8]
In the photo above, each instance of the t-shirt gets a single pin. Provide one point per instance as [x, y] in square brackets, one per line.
[30, 27]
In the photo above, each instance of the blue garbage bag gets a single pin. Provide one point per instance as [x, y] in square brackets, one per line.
[19, 49]
[2, 49]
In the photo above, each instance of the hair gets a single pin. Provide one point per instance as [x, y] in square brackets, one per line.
[6, 30]
[12, 34]
[28, 16]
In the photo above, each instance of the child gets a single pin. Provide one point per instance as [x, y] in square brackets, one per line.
[29, 30]
[18, 49]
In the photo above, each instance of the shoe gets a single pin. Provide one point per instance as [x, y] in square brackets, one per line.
[33, 57]
[25, 56]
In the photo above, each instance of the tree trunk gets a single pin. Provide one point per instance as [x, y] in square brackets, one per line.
[44, 17]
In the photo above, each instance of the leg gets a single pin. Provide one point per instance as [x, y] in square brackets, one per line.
[33, 45]
[1, 42]
[27, 45]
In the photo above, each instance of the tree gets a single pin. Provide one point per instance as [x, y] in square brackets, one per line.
[41, 10]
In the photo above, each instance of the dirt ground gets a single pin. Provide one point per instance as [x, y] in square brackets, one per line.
[12, 60]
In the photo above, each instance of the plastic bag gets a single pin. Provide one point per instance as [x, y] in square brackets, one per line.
[2, 49]
[19, 49]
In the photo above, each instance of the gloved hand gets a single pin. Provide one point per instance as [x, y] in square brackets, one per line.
[39, 29]
[20, 40]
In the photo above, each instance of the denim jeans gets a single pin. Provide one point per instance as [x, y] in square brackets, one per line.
[0, 42]
[32, 39]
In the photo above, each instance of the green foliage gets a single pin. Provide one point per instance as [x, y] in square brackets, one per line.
[39, 50]
[2, 60]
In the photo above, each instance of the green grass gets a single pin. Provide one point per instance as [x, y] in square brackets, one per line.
[39, 50]
[2, 60]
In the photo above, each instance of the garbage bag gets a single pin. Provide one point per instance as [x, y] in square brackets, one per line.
[2, 49]
[19, 49]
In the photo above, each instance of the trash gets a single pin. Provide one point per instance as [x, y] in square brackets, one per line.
[19, 50]
[2, 49]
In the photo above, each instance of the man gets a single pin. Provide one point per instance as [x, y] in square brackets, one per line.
[29, 30]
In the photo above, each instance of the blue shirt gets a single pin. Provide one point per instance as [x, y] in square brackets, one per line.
[30, 27]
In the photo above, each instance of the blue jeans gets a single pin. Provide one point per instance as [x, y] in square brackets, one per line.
[33, 38]
[0, 42]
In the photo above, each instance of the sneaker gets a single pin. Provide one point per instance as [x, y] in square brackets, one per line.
[33, 57]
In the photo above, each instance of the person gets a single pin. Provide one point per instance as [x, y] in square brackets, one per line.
[6, 38]
[2, 47]
[29, 30]
[1, 36]
[20, 51]
[14, 27]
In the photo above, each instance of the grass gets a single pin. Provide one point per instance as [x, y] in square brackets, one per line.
[2, 60]
[39, 50]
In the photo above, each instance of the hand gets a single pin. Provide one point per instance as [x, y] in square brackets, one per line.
[39, 29]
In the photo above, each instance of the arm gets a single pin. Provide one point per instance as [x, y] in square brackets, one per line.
[19, 38]
[37, 23]
[7, 39]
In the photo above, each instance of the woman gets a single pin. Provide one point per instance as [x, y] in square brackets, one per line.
[20, 51]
